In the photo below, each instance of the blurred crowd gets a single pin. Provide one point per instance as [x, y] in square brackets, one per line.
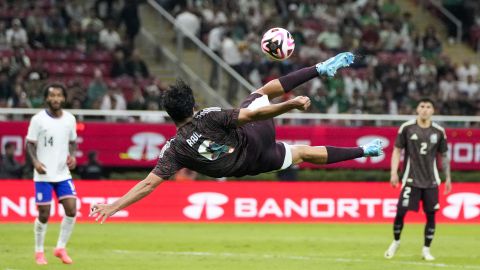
[87, 45]
[396, 62]
[90, 46]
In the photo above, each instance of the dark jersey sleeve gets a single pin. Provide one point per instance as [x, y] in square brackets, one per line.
[400, 141]
[442, 146]
[167, 165]
[226, 118]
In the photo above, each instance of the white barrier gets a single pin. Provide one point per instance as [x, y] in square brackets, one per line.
[296, 115]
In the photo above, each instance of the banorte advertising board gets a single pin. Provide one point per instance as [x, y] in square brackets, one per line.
[245, 202]
[140, 144]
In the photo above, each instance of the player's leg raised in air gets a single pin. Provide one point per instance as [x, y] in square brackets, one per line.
[332, 154]
[285, 84]
[319, 154]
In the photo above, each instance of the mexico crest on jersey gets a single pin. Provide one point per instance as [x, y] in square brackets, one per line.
[434, 138]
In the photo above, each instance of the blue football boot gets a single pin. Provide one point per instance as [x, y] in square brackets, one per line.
[373, 148]
[331, 66]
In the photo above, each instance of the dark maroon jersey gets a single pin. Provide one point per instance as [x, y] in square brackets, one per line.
[213, 144]
[421, 148]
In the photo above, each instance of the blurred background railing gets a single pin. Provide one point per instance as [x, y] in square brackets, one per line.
[294, 118]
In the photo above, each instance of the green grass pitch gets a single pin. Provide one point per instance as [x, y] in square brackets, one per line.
[243, 246]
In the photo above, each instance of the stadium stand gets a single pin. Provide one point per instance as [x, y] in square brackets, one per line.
[397, 63]
[72, 42]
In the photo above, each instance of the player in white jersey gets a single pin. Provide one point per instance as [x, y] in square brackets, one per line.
[51, 144]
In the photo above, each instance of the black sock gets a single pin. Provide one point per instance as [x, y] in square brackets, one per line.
[294, 79]
[429, 228]
[337, 154]
[398, 224]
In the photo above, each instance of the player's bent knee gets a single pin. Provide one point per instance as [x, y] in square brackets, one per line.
[260, 91]
[298, 153]
[272, 89]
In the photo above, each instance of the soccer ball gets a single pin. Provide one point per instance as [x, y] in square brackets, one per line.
[278, 44]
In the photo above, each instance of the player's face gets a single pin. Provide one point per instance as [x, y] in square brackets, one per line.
[55, 98]
[425, 110]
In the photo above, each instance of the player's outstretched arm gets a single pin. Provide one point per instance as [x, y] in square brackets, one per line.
[284, 84]
[247, 115]
[103, 211]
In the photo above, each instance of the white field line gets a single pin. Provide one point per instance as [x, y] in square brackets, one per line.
[290, 257]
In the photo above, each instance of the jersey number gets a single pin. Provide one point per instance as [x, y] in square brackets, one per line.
[211, 150]
[423, 148]
[48, 141]
[406, 193]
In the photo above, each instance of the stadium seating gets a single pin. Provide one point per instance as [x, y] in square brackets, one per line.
[309, 20]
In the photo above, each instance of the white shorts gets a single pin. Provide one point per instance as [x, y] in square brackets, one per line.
[287, 162]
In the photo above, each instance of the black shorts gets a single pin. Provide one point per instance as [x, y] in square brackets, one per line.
[410, 198]
[266, 153]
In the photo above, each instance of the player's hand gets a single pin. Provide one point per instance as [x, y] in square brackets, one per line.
[301, 102]
[448, 187]
[394, 180]
[71, 162]
[101, 212]
[39, 167]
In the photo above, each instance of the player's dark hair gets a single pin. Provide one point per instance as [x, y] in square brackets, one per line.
[178, 101]
[427, 100]
[54, 85]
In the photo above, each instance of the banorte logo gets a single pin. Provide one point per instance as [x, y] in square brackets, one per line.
[205, 204]
[146, 146]
[366, 139]
[466, 203]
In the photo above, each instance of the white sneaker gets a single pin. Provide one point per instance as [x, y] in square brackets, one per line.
[426, 255]
[392, 249]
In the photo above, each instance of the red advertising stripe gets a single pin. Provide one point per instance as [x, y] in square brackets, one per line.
[121, 144]
[246, 202]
